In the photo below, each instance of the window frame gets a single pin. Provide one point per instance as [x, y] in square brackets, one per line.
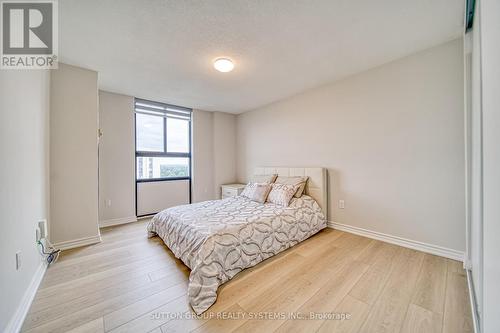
[165, 111]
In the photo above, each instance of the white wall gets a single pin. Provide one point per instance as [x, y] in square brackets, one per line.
[214, 153]
[203, 156]
[24, 110]
[391, 138]
[116, 157]
[490, 65]
[153, 197]
[224, 127]
[214, 149]
[73, 154]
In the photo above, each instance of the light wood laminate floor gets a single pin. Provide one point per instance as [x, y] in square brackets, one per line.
[129, 283]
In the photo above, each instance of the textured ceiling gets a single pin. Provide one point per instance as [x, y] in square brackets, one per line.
[163, 49]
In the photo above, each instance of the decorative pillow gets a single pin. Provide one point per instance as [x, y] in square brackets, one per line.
[256, 191]
[281, 194]
[300, 181]
[263, 179]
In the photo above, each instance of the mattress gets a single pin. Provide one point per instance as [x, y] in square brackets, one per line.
[217, 239]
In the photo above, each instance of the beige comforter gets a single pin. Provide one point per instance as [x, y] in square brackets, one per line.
[217, 239]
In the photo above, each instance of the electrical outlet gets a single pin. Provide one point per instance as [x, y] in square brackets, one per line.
[341, 204]
[18, 260]
[42, 228]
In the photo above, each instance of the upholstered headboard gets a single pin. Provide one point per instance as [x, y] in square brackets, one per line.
[316, 186]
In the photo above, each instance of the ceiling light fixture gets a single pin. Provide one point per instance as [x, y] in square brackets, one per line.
[223, 65]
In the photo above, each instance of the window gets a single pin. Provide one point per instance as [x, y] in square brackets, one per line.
[149, 133]
[163, 141]
[162, 167]
[178, 135]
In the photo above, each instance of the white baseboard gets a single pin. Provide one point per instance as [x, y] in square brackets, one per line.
[412, 244]
[16, 322]
[78, 242]
[122, 220]
[467, 263]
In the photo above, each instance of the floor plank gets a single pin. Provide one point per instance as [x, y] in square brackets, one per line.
[431, 284]
[129, 283]
[327, 298]
[123, 315]
[155, 318]
[300, 287]
[457, 312]
[232, 320]
[420, 320]
[72, 319]
[94, 326]
[390, 308]
[128, 277]
[373, 281]
[355, 313]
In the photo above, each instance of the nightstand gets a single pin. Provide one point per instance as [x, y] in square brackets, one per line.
[231, 190]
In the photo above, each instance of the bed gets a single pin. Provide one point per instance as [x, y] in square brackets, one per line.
[217, 239]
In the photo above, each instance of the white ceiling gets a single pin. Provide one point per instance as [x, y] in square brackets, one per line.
[163, 49]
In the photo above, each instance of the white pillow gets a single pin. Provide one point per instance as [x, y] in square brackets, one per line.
[300, 181]
[256, 191]
[281, 194]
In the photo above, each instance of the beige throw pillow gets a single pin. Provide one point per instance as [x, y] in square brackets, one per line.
[263, 179]
[300, 181]
[281, 194]
[256, 191]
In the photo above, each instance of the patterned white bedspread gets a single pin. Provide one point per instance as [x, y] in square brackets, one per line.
[219, 238]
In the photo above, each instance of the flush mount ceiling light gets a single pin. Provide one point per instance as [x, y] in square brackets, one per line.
[223, 65]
